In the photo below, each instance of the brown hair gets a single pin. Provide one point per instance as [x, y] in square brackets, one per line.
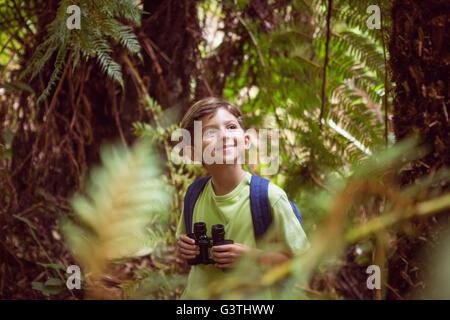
[208, 106]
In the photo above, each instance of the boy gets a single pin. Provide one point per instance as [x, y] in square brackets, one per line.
[225, 199]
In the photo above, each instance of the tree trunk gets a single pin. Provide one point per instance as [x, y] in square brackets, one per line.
[420, 63]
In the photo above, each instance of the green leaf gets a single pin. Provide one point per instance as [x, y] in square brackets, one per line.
[362, 259]
[17, 85]
[37, 286]
[48, 288]
[8, 153]
[8, 135]
[55, 266]
[53, 282]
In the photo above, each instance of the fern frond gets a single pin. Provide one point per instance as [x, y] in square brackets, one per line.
[98, 22]
[122, 34]
[107, 64]
[127, 9]
[58, 67]
[363, 48]
[123, 197]
[128, 39]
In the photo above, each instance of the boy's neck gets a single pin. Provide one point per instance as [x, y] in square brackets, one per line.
[225, 178]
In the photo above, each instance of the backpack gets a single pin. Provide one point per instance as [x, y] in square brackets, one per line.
[259, 204]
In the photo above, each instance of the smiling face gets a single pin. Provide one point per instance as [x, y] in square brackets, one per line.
[224, 140]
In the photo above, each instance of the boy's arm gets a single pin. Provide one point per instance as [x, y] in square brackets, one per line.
[226, 255]
[286, 230]
[273, 258]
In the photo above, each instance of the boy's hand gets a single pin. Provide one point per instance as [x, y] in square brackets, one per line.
[226, 255]
[186, 247]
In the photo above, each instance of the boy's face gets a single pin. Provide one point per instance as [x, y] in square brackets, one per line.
[223, 138]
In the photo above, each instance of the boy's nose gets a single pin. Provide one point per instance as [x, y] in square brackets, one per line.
[226, 137]
[221, 134]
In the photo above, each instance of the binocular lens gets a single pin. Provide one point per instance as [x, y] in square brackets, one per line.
[218, 232]
[200, 228]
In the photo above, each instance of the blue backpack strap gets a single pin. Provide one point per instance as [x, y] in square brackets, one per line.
[296, 211]
[192, 194]
[260, 205]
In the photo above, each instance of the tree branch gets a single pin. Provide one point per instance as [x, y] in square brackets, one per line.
[322, 109]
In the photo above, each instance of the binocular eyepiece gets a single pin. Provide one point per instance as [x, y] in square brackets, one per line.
[204, 242]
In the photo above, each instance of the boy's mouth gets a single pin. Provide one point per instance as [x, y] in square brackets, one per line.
[228, 146]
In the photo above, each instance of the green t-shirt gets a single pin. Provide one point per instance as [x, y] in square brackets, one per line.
[233, 211]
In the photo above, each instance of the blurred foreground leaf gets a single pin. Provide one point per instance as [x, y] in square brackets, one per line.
[124, 199]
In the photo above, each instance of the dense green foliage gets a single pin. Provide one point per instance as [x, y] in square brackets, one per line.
[320, 77]
[100, 24]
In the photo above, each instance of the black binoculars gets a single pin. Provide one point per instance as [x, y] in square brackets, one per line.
[204, 242]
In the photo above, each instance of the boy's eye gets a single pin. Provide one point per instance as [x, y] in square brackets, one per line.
[232, 126]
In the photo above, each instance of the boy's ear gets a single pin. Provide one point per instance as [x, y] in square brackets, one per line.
[247, 141]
